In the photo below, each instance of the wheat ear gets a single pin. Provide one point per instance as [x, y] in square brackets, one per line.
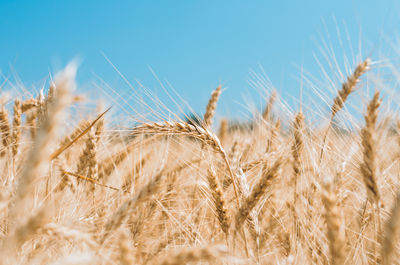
[66, 144]
[211, 106]
[28, 105]
[297, 147]
[39, 156]
[127, 207]
[258, 191]
[267, 110]
[391, 231]
[271, 144]
[16, 129]
[77, 131]
[200, 133]
[347, 88]
[4, 129]
[219, 201]
[368, 167]
[88, 160]
[335, 233]
[223, 131]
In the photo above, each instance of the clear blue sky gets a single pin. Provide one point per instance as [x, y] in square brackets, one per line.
[195, 45]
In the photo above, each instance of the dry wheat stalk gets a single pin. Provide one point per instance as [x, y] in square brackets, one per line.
[39, 155]
[16, 129]
[99, 129]
[88, 180]
[391, 232]
[65, 144]
[223, 131]
[272, 141]
[4, 129]
[129, 179]
[28, 105]
[66, 180]
[126, 208]
[75, 133]
[267, 110]
[234, 154]
[211, 106]
[368, 167]
[256, 162]
[181, 128]
[257, 192]
[202, 134]
[297, 149]
[219, 201]
[335, 232]
[347, 88]
[88, 161]
[31, 122]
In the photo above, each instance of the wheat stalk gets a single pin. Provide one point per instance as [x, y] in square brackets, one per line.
[126, 208]
[39, 156]
[257, 192]
[4, 129]
[335, 232]
[297, 148]
[368, 167]
[391, 231]
[219, 201]
[211, 106]
[267, 110]
[181, 128]
[223, 131]
[347, 88]
[16, 129]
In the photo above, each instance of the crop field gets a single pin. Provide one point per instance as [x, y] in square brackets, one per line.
[78, 189]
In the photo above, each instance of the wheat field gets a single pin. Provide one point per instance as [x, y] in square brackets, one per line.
[181, 191]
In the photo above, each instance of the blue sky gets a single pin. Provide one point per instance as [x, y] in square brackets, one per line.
[194, 45]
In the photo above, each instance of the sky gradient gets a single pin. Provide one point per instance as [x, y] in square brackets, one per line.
[194, 45]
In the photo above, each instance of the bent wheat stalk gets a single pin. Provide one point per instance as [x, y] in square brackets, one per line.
[202, 134]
